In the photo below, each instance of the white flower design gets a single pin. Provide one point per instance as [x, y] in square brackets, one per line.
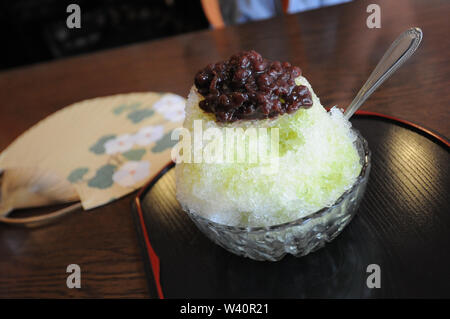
[174, 116]
[169, 102]
[120, 144]
[171, 106]
[148, 134]
[132, 172]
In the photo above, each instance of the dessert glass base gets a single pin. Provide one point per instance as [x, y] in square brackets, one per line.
[299, 237]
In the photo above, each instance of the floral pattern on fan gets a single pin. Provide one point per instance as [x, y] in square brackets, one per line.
[171, 106]
[131, 172]
[94, 150]
[124, 164]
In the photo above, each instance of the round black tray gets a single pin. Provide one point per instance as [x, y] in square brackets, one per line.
[402, 226]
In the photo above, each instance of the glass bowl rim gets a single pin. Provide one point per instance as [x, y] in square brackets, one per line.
[317, 214]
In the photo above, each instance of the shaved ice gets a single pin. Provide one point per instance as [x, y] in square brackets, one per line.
[317, 162]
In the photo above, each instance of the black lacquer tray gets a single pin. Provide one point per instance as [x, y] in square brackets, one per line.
[402, 225]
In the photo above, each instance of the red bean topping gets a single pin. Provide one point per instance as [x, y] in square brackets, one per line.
[247, 87]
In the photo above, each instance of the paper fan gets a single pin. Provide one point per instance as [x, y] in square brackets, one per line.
[94, 151]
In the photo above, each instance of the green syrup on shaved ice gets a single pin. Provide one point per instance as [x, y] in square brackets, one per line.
[317, 163]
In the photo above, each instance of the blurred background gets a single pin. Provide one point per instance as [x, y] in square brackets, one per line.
[35, 30]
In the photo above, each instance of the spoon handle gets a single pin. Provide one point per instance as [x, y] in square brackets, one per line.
[399, 51]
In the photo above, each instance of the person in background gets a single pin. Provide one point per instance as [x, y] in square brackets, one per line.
[227, 12]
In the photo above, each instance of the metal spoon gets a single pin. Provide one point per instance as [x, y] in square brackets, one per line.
[399, 51]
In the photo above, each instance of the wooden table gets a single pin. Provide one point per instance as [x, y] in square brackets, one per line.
[336, 52]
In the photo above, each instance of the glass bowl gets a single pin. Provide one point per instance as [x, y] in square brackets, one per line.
[299, 237]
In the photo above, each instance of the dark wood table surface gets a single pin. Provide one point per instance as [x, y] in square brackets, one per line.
[336, 52]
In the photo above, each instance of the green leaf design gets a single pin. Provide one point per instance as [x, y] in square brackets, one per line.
[99, 148]
[77, 174]
[134, 155]
[123, 107]
[103, 177]
[138, 115]
[133, 107]
[118, 110]
[164, 143]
